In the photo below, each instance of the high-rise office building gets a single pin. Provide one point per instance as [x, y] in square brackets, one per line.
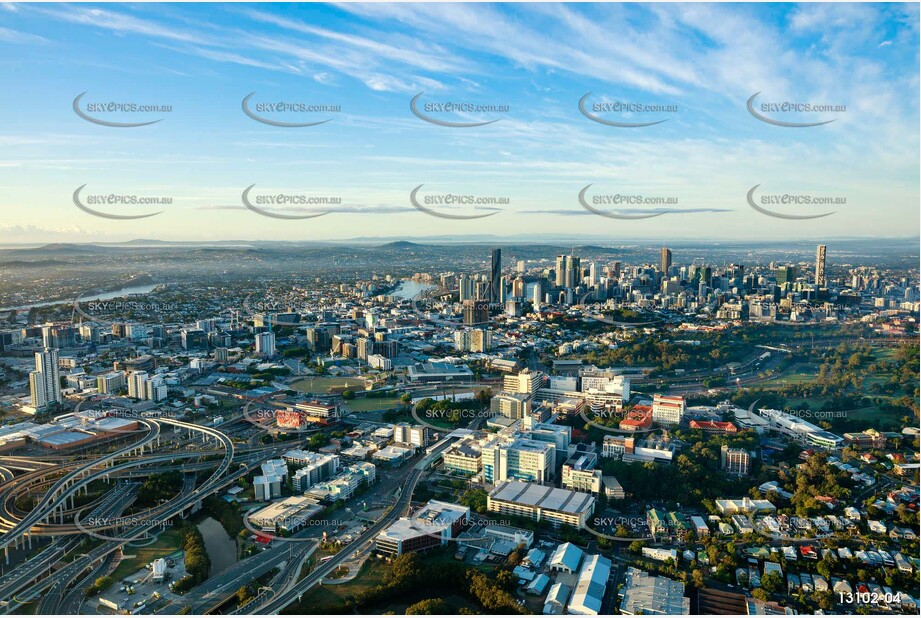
[568, 271]
[665, 260]
[735, 460]
[820, 265]
[495, 277]
[476, 312]
[57, 337]
[466, 288]
[518, 288]
[194, 339]
[45, 381]
[785, 274]
[475, 340]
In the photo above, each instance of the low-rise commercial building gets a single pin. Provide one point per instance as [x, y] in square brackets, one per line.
[435, 524]
[288, 515]
[645, 594]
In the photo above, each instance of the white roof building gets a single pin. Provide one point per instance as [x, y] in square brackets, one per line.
[589, 591]
[645, 594]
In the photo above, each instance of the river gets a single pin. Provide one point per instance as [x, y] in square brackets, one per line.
[222, 550]
[137, 289]
[410, 289]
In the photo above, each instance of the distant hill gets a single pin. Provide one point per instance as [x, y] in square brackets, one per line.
[401, 244]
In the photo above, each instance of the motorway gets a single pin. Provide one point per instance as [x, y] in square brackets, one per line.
[14, 582]
[69, 483]
[114, 505]
[64, 587]
[51, 601]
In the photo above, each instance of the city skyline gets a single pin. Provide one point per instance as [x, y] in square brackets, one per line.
[460, 308]
[371, 61]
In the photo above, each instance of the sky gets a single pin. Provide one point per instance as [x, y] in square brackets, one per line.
[698, 65]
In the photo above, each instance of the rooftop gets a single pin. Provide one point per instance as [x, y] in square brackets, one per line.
[550, 498]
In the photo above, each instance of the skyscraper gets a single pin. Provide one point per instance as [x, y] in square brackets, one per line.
[665, 260]
[568, 271]
[45, 381]
[820, 265]
[476, 312]
[785, 274]
[495, 277]
[466, 288]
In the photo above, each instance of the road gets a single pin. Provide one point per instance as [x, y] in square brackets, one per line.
[281, 601]
[68, 483]
[53, 598]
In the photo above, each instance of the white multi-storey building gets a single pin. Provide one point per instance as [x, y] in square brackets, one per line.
[668, 409]
[45, 381]
[519, 459]
[111, 383]
[137, 384]
[265, 344]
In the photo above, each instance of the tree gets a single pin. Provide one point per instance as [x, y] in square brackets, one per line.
[244, 595]
[825, 599]
[515, 558]
[772, 582]
[475, 499]
[99, 585]
[427, 606]
[697, 578]
[759, 593]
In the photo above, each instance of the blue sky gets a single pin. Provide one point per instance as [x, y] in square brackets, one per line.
[538, 60]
